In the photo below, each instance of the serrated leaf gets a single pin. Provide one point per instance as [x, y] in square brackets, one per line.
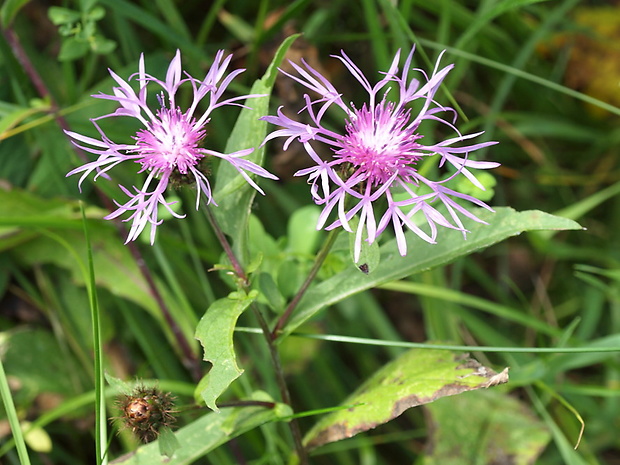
[417, 377]
[215, 333]
[498, 429]
[232, 193]
[504, 223]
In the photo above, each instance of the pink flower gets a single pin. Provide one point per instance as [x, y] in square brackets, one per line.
[168, 147]
[376, 154]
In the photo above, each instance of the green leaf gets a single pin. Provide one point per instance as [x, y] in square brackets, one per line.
[37, 438]
[101, 45]
[24, 220]
[59, 15]
[168, 442]
[19, 114]
[370, 256]
[417, 377]
[205, 434]
[215, 333]
[36, 363]
[232, 193]
[72, 49]
[498, 429]
[240, 29]
[9, 10]
[96, 13]
[116, 269]
[504, 223]
[118, 385]
[302, 233]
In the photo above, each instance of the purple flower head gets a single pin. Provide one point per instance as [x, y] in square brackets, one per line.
[168, 147]
[374, 167]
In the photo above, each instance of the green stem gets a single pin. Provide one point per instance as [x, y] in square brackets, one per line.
[100, 410]
[11, 414]
[273, 351]
[320, 258]
[221, 237]
[284, 392]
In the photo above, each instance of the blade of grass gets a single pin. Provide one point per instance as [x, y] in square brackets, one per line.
[101, 432]
[431, 345]
[450, 295]
[379, 41]
[169, 11]
[11, 414]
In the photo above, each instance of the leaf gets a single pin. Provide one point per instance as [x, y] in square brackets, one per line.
[18, 114]
[168, 442]
[116, 269]
[417, 377]
[205, 434]
[215, 333]
[73, 48]
[370, 256]
[483, 427]
[36, 363]
[232, 193]
[59, 15]
[302, 234]
[37, 438]
[118, 385]
[504, 223]
[101, 45]
[9, 10]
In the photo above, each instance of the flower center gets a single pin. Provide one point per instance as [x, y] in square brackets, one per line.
[170, 142]
[378, 143]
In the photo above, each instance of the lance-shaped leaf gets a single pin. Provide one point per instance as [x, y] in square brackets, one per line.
[417, 377]
[215, 333]
[504, 223]
[232, 193]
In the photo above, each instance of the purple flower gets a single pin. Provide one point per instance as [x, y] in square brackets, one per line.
[168, 147]
[377, 152]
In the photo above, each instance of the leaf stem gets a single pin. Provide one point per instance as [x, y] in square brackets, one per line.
[273, 351]
[318, 262]
[221, 237]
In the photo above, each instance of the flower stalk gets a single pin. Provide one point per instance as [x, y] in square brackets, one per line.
[273, 350]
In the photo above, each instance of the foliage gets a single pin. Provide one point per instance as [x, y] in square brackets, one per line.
[217, 314]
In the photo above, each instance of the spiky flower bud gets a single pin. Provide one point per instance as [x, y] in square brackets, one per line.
[145, 411]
